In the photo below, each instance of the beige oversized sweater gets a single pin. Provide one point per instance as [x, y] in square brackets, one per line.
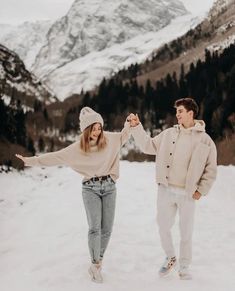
[184, 157]
[92, 164]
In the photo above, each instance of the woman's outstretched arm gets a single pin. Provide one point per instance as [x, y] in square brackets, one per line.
[62, 157]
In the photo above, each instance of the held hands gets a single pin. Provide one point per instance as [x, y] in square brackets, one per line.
[197, 195]
[21, 158]
[133, 119]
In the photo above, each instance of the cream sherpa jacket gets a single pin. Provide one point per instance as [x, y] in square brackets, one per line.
[199, 162]
[92, 164]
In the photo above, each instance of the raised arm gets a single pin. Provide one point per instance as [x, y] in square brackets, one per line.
[125, 133]
[121, 137]
[61, 157]
[147, 144]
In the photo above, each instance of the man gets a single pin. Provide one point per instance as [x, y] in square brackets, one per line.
[185, 171]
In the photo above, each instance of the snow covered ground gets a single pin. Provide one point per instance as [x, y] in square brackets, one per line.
[43, 234]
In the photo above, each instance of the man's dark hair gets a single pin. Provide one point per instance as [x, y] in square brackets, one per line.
[189, 104]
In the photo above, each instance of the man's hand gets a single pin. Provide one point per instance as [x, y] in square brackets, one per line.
[133, 119]
[197, 195]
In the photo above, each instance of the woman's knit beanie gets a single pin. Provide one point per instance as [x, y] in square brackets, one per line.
[88, 116]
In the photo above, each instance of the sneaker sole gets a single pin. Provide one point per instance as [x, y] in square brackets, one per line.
[173, 267]
[185, 277]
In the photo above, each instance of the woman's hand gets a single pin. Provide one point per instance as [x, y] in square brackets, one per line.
[133, 119]
[21, 158]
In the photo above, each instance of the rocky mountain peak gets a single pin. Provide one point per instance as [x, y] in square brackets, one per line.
[17, 82]
[98, 24]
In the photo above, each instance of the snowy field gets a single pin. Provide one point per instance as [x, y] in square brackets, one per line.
[43, 234]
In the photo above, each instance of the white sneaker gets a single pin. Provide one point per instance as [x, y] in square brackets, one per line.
[184, 273]
[167, 266]
[95, 273]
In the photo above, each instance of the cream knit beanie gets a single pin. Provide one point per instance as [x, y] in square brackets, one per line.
[88, 116]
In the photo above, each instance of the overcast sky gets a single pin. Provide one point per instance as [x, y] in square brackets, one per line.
[17, 11]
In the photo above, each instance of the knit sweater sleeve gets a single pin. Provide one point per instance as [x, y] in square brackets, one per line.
[120, 138]
[61, 157]
[147, 144]
[210, 171]
[125, 133]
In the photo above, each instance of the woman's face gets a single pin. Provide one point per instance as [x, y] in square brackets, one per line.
[96, 131]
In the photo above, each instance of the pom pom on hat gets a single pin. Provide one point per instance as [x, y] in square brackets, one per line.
[88, 116]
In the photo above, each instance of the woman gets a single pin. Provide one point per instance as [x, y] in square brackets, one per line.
[95, 156]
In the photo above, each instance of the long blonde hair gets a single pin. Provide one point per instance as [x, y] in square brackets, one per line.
[85, 139]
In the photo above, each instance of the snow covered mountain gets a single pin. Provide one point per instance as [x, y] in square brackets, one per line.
[215, 32]
[17, 82]
[92, 27]
[219, 6]
[97, 38]
[26, 39]
[88, 71]
[223, 9]
[98, 24]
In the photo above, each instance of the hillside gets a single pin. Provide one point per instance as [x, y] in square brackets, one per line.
[23, 100]
[214, 33]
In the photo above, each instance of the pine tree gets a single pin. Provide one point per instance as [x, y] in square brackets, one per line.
[52, 144]
[30, 146]
[45, 114]
[41, 144]
[3, 118]
[20, 125]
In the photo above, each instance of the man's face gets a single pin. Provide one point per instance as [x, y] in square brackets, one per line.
[183, 116]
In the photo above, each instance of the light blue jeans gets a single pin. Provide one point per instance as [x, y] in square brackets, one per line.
[99, 199]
